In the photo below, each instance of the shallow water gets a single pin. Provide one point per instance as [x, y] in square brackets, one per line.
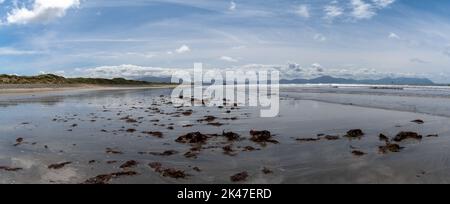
[434, 100]
[79, 127]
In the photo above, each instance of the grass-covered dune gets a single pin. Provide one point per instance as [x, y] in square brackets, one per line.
[54, 79]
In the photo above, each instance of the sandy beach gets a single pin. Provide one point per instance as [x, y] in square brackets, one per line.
[137, 136]
[22, 89]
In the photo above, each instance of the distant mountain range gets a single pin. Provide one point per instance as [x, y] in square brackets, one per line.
[385, 81]
[329, 80]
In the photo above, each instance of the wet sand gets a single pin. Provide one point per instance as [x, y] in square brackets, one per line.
[137, 136]
[23, 89]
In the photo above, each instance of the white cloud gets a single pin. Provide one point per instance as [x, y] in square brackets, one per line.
[365, 9]
[318, 67]
[383, 3]
[320, 38]
[286, 71]
[302, 11]
[228, 59]
[11, 51]
[126, 71]
[332, 11]
[180, 50]
[418, 61]
[41, 11]
[183, 49]
[233, 6]
[393, 36]
[362, 10]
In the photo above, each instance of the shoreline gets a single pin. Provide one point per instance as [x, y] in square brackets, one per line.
[23, 89]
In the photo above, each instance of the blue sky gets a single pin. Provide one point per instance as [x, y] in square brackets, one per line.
[132, 38]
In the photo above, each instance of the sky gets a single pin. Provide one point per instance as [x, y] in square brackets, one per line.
[302, 38]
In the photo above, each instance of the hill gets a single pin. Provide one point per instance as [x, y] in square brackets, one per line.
[54, 79]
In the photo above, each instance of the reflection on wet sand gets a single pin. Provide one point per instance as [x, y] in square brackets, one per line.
[138, 136]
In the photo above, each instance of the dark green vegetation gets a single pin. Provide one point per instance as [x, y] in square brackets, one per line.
[54, 79]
